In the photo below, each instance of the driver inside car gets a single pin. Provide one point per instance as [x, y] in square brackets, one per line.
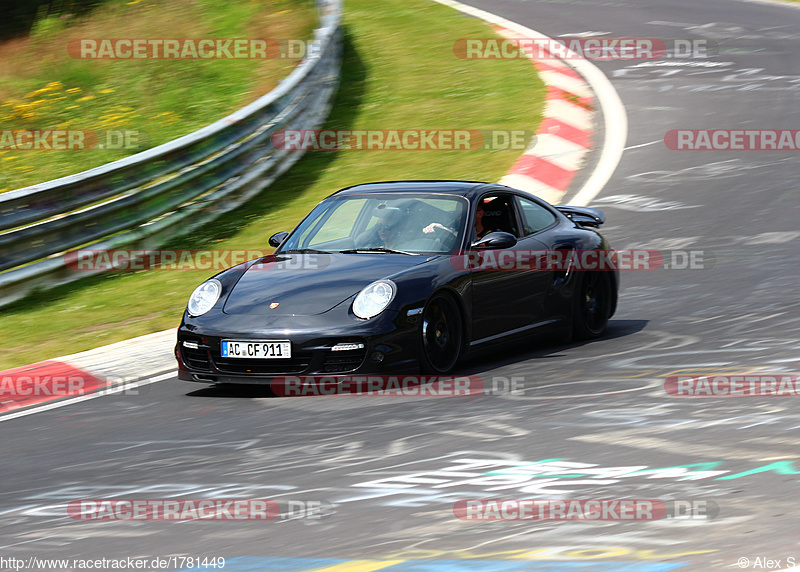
[480, 230]
[384, 234]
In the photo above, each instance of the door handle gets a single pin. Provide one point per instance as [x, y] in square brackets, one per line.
[565, 267]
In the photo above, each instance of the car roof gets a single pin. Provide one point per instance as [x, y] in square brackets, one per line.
[463, 188]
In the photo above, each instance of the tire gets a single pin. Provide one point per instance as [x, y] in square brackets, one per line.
[441, 335]
[593, 304]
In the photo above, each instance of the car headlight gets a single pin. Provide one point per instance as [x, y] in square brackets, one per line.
[373, 299]
[204, 297]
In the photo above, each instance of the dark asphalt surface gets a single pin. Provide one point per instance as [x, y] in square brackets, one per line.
[597, 413]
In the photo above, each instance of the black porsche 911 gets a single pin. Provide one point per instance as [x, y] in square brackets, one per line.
[373, 281]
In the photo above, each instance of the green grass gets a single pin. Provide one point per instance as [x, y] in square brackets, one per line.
[42, 87]
[399, 72]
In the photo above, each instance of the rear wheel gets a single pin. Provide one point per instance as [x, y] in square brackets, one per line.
[593, 304]
[442, 334]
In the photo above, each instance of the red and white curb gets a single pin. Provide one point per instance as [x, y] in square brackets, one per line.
[114, 368]
[565, 136]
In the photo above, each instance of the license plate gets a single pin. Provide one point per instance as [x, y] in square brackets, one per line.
[269, 349]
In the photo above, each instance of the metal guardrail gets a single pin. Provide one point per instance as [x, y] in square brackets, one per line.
[145, 199]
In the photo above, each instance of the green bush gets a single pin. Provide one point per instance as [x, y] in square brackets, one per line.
[19, 18]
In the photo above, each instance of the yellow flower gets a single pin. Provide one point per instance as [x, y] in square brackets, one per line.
[54, 85]
[73, 107]
[74, 90]
[37, 92]
[86, 98]
[106, 91]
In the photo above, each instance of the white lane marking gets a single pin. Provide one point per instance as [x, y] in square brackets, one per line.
[640, 203]
[643, 144]
[26, 542]
[727, 168]
[637, 439]
[785, 4]
[107, 391]
[772, 237]
[665, 23]
[614, 114]
[589, 34]
[649, 385]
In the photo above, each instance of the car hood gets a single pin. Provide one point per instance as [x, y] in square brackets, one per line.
[307, 284]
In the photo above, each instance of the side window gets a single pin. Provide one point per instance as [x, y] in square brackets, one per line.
[498, 215]
[534, 216]
[339, 223]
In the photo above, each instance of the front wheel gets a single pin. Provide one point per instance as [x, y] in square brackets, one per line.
[442, 335]
[593, 304]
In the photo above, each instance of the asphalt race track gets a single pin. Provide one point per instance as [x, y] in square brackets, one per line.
[591, 421]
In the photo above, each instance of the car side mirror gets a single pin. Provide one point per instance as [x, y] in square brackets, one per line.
[495, 240]
[276, 239]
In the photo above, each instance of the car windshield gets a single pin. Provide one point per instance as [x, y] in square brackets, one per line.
[386, 223]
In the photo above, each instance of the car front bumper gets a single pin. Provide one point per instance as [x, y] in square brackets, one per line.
[390, 346]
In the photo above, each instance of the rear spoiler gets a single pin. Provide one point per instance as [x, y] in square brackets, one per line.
[584, 216]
